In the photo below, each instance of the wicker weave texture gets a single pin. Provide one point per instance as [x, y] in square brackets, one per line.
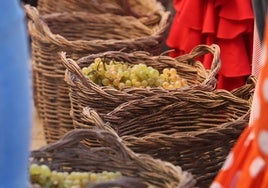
[101, 150]
[193, 129]
[148, 11]
[78, 34]
[84, 92]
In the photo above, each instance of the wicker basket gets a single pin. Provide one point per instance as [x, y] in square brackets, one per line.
[193, 129]
[148, 11]
[73, 153]
[84, 92]
[78, 34]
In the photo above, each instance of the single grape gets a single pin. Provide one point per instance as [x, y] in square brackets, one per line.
[93, 177]
[116, 82]
[153, 73]
[166, 71]
[105, 81]
[121, 85]
[85, 70]
[151, 81]
[34, 169]
[133, 81]
[45, 170]
[126, 74]
[137, 84]
[165, 85]
[177, 84]
[172, 71]
[128, 83]
[174, 78]
[144, 83]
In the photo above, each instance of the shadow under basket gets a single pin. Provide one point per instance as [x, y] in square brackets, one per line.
[78, 34]
[194, 129]
[97, 150]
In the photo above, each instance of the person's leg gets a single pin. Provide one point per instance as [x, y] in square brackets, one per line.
[15, 96]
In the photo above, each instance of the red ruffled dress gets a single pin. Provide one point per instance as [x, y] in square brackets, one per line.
[228, 23]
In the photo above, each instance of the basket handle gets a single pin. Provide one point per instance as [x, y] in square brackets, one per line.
[39, 27]
[33, 14]
[72, 67]
[90, 115]
[167, 173]
[247, 89]
[215, 65]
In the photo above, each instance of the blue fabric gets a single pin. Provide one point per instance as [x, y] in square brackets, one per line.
[15, 96]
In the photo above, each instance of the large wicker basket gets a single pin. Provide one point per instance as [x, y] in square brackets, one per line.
[100, 150]
[148, 11]
[194, 129]
[78, 34]
[84, 92]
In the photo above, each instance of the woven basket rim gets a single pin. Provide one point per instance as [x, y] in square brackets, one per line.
[38, 27]
[170, 175]
[233, 95]
[92, 116]
[73, 72]
[157, 6]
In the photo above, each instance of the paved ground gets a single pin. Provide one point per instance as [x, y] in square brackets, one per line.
[38, 138]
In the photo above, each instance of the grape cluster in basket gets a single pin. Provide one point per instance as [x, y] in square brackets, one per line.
[121, 75]
[42, 176]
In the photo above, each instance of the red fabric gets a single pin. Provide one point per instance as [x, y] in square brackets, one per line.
[226, 23]
[230, 83]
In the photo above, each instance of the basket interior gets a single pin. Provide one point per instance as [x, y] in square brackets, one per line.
[148, 9]
[98, 150]
[83, 26]
[192, 70]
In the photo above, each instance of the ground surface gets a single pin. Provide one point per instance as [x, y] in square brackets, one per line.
[38, 139]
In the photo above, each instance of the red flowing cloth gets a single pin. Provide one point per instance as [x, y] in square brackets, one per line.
[228, 23]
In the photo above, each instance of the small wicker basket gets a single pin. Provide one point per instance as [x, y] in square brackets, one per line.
[100, 150]
[193, 129]
[84, 92]
[79, 34]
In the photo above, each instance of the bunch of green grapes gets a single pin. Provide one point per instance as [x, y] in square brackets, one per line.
[121, 75]
[45, 178]
[171, 79]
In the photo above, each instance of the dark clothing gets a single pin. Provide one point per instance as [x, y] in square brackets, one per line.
[260, 9]
[31, 2]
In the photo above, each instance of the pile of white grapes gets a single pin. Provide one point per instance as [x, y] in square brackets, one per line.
[42, 176]
[120, 75]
